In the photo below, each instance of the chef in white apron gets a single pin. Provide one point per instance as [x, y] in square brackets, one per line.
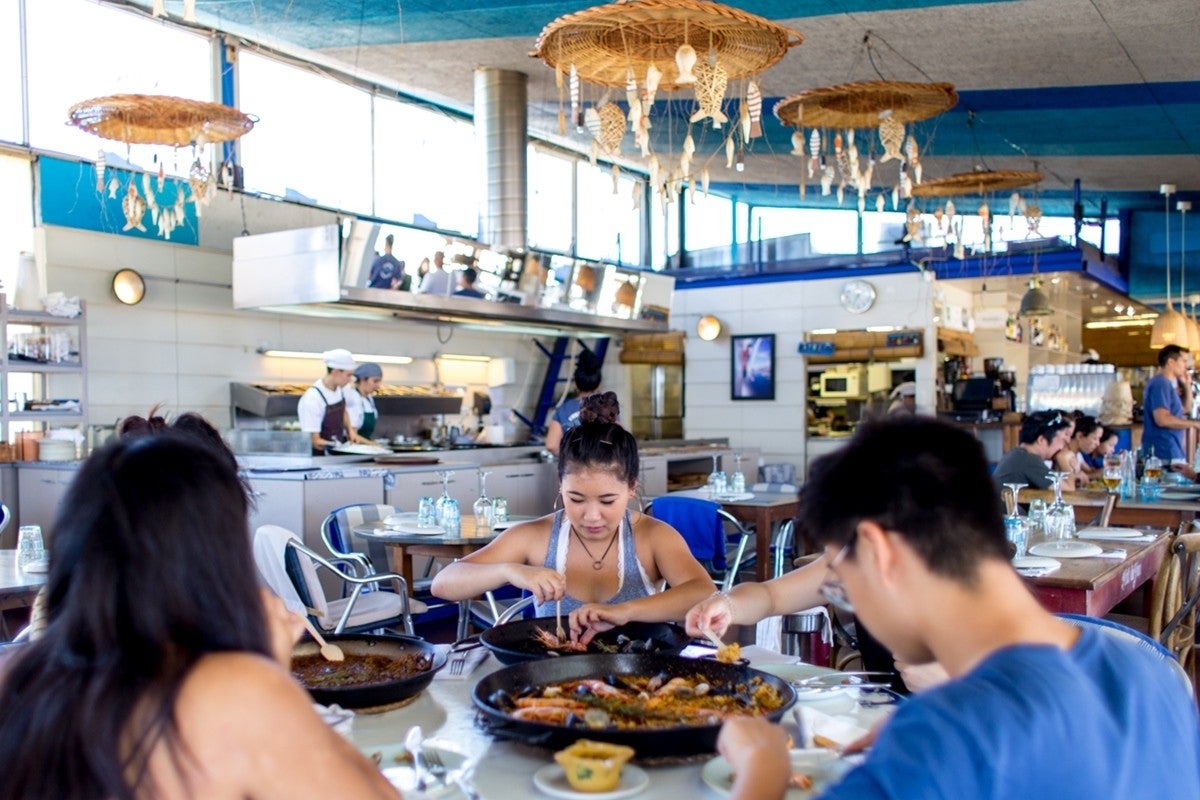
[360, 402]
[322, 408]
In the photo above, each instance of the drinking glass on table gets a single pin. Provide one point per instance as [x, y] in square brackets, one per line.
[737, 482]
[1153, 467]
[445, 499]
[1060, 517]
[427, 512]
[1012, 500]
[499, 510]
[718, 482]
[1112, 473]
[483, 506]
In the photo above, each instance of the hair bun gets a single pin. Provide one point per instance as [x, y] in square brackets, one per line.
[603, 408]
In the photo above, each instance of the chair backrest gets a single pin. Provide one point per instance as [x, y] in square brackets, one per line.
[271, 556]
[1176, 595]
[782, 546]
[338, 526]
[5, 516]
[777, 473]
[1091, 508]
[698, 521]
[1138, 638]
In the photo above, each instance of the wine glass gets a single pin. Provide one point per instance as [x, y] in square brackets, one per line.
[1015, 489]
[483, 505]
[444, 500]
[1112, 473]
[718, 483]
[1060, 517]
[1152, 468]
[738, 480]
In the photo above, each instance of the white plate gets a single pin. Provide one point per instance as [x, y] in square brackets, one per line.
[552, 780]
[1109, 533]
[1066, 548]
[734, 497]
[404, 777]
[1034, 562]
[792, 673]
[361, 450]
[823, 765]
[411, 526]
[1176, 494]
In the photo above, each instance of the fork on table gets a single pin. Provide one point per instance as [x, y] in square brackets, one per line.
[458, 664]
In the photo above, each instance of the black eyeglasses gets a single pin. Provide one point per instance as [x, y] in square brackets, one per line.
[832, 588]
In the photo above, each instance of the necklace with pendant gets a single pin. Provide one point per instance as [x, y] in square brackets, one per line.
[597, 563]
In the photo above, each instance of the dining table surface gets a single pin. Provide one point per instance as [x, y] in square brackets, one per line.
[1095, 585]
[17, 587]
[436, 543]
[504, 769]
[764, 510]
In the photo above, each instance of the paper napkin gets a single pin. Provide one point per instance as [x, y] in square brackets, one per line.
[817, 726]
[1037, 572]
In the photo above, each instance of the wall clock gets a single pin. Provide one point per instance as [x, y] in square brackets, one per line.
[857, 296]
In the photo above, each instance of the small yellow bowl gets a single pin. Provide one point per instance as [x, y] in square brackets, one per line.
[593, 766]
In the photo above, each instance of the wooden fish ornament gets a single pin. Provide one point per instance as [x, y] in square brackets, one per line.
[951, 211]
[562, 115]
[1014, 203]
[612, 128]
[685, 59]
[744, 121]
[653, 77]
[729, 147]
[576, 98]
[754, 102]
[134, 207]
[879, 202]
[113, 185]
[711, 82]
[913, 155]
[634, 100]
[616, 179]
[814, 151]
[637, 191]
[704, 180]
[100, 172]
[1033, 218]
[912, 224]
[689, 149]
[891, 136]
[826, 180]
[798, 142]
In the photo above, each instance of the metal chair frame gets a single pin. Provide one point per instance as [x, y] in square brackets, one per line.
[739, 551]
[358, 583]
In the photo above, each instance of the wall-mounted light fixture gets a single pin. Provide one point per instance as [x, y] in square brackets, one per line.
[305, 354]
[457, 357]
[129, 286]
[708, 328]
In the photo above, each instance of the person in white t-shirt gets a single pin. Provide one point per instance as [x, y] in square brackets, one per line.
[322, 408]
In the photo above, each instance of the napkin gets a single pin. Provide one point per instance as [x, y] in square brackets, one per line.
[1149, 537]
[839, 729]
[1037, 572]
[1117, 553]
[471, 659]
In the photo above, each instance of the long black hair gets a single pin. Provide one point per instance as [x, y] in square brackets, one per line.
[150, 570]
[599, 441]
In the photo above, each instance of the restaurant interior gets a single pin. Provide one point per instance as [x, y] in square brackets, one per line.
[769, 223]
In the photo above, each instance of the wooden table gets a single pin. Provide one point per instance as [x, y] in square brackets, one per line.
[17, 588]
[1167, 513]
[765, 510]
[1093, 586]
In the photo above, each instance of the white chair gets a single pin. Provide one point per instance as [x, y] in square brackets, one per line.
[290, 570]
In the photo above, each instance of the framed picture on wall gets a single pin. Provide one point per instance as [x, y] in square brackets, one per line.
[752, 367]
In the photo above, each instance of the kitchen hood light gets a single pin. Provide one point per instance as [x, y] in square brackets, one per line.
[456, 357]
[824, 330]
[360, 357]
[1140, 321]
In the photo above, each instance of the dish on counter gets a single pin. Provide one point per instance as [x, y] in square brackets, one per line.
[818, 764]
[360, 450]
[1066, 548]
[552, 779]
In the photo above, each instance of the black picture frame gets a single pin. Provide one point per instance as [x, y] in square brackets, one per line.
[752, 367]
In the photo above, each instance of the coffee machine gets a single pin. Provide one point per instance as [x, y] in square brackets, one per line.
[1003, 381]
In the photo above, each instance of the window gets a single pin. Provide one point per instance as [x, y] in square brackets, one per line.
[708, 222]
[316, 149]
[609, 226]
[551, 200]
[16, 217]
[10, 73]
[107, 51]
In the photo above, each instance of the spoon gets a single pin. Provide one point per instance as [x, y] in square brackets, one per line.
[712, 637]
[412, 743]
[331, 652]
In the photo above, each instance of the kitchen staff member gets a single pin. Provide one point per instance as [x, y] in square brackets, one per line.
[360, 402]
[322, 408]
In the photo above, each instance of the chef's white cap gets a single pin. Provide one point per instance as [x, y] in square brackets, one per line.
[339, 358]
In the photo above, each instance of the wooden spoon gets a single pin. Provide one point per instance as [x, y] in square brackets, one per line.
[331, 652]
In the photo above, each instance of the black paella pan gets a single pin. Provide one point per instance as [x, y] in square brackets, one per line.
[494, 693]
[515, 642]
[372, 695]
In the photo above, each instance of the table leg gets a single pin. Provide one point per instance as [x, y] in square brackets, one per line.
[762, 544]
[402, 563]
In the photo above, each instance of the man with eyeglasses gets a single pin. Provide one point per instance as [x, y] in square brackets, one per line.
[1163, 418]
[1042, 435]
[1034, 706]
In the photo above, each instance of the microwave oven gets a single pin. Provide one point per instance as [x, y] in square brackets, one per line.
[844, 382]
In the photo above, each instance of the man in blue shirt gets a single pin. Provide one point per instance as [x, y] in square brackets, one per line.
[387, 271]
[1034, 708]
[1163, 419]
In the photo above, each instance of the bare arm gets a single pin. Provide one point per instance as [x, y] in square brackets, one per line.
[1165, 419]
[757, 751]
[554, 435]
[511, 558]
[748, 603]
[231, 712]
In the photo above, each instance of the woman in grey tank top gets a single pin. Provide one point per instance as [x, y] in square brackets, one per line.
[597, 559]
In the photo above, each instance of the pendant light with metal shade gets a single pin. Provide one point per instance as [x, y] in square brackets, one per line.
[1170, 327]
[1035, 302]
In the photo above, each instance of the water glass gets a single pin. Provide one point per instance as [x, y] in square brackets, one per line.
[1060, 523]
[1149, 489]
[1016, 531]
[1036, 519]
[427, 512]
[451, 517]
[499, 510]
[29, 545]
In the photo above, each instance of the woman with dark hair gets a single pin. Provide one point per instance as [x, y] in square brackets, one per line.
[1083, 442]
[162, 670]
[587, 379]
[597, 558]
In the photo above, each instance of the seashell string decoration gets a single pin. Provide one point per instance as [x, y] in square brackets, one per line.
[176, 122]
[715, 52]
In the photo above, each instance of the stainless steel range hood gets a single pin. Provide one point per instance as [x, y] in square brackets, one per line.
[321, 272]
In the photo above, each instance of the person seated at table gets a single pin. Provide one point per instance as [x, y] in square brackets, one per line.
[163, 668]
[1042, 435]
[1107, 445]
[1085, 437]
[922, 558]
[600, 559]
